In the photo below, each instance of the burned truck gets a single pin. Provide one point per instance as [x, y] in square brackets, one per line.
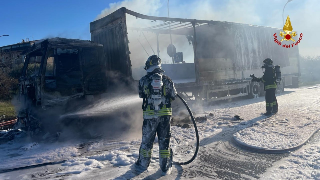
[225, 56]
[216, 57]
[58, 72]
[215, 60]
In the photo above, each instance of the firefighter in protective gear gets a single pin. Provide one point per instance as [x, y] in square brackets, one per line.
[270, 86]
[157, 91]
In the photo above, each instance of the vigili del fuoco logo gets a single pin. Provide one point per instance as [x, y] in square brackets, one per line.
[287, 35]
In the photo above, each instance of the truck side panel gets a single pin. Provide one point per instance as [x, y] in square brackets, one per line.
[111, 31]
[184, 71]
[93, 72]
[229, 51]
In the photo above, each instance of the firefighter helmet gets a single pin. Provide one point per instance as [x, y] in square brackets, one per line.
[268, 61]
[153, 62]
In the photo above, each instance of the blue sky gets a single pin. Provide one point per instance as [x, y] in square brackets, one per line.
[38, 19]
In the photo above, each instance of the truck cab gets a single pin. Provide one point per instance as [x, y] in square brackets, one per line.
[58, 71]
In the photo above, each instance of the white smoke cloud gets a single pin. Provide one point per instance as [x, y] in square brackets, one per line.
[147, 7]
[232, 10]
[304, 16]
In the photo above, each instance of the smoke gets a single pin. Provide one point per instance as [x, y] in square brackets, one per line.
[142, 6]
[113, 116]
[303, 14]
[232, 11]
[143, 45]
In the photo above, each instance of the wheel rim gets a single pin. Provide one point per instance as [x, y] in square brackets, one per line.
[255, 89]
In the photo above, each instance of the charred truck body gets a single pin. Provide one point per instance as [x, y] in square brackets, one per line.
[57, 71]
[224, 53]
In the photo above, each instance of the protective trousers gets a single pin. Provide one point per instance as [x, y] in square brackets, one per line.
[161, 126]
[271, 100]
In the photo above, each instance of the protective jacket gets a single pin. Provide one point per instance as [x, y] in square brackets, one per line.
[269, 79]
[168, 93]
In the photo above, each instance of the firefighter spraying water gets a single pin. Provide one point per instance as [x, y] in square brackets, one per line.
[158, 91]
[271, 77]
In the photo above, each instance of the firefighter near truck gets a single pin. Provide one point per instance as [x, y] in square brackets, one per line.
[69, 75]
[58, 72]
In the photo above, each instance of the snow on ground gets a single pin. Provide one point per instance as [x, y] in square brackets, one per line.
[297, 119]
[78, 165]
[301, 164]
[102, 155]
[20, 154]
[125, 153]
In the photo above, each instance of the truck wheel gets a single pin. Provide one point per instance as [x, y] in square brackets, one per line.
[255, 90]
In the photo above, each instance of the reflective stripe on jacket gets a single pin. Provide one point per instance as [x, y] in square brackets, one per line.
[149, 113]
[271, 86]
[168, 94]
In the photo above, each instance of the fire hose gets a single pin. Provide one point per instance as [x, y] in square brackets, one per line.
[196, 130]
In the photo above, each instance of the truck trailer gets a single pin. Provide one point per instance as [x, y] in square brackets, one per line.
[224, 53]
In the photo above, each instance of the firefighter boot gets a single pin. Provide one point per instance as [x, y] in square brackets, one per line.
[275, 107]
[166, 167]
[267, 114]
[268, 109]
[142, 163]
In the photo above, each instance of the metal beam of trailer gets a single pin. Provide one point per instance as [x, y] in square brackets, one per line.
[224, 52]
